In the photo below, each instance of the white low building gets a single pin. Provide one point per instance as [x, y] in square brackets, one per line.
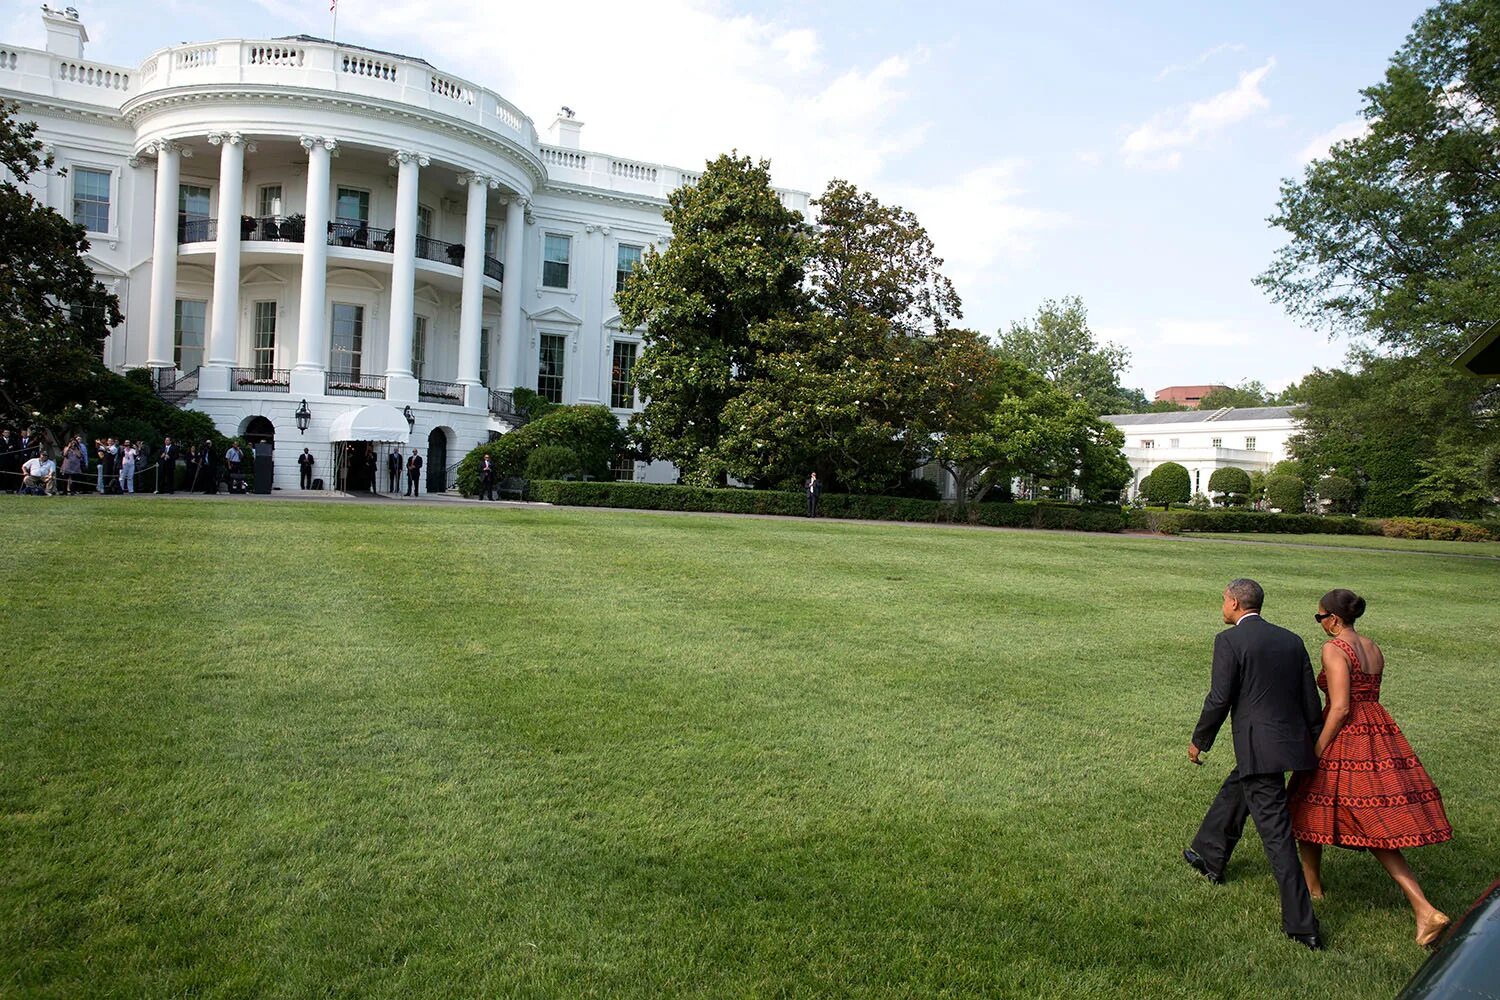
[291, 219]
[1249, 438]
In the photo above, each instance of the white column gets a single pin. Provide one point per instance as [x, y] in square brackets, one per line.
[400, 384]
[471, 312]
[164, 255]
[224, 325]
[312, 322]
[510, 294]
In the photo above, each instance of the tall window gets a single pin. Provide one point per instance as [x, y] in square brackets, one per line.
[621, 394]
[556, 252]
[263, 349]
[484, 356]
[192, 213]
[492, 240]
[191, 320]
[1175, 443]
[348, 340]
[353, 205]
[623, 467]
[269, 203]
[627, 259]
[1147, 443]
[424, 221]
[1249, 444]
[1218, 442]
[549, 369]
[418, 345]
[91, 199]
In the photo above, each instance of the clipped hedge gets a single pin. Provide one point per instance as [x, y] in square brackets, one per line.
[1435, 528]
[653, 496]
[1250, 521]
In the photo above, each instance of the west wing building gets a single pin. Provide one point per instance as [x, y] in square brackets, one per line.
[1249, 438]
[292, 219]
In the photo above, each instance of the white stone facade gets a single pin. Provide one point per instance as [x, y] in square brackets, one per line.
[1249, 438]
[294, 219]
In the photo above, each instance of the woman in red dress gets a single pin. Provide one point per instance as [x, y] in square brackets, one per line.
[1370, 791]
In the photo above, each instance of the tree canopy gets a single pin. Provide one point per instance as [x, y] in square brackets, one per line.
[1058, 345]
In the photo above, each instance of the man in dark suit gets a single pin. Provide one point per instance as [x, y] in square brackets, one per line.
[413, 473]
[208, 468]
[1263, 680]
[814, 491]
[166, 481]
[305, 466]
[487, 479]
[393, 470]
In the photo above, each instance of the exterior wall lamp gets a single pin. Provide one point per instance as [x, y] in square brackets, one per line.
[304, 417]
[411, 418]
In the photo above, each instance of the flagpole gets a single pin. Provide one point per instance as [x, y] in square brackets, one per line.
[334, 6]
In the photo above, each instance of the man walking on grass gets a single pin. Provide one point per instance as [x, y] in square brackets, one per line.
[1263, 679]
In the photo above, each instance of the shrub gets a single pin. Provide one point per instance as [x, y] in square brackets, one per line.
[916, 489]
[1231, 485]
[1285, 493]
[653, 496]
[1435, 528]
[592, 433]
[1337, 492]
[1250, 521]
[1169, 484]
[553, 461]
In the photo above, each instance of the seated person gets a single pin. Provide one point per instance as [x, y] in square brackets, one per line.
[39, 473]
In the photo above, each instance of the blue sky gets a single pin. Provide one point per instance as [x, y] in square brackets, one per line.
[1128, 153]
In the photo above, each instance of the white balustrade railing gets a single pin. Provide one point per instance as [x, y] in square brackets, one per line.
[274, 54]
[8, 59]
[360, 64]
[633, 171]
[451, 89]
[195, 56]
[93, 76]
[565, 158]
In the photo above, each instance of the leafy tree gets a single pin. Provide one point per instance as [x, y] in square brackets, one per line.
[553, 461]
[737, 259]
[1247, 393]
[54, 314]
[1231, 484]
[1169, 483]
[834, 395]
[1058, 345]
[1285, 493]
[591, 433]
[877, 260]
[1162, 406]
[1337, 492]
[1451, 485]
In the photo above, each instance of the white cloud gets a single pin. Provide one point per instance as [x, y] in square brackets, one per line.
[1318, 146]
[1200, 59]
[1158, 144]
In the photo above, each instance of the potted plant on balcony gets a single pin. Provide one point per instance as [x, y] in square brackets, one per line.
[294, 228]
[456, 253]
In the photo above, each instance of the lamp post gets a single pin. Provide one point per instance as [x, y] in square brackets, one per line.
[304, 417]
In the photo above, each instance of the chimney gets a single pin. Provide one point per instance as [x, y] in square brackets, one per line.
[65, 34]
[565, 130]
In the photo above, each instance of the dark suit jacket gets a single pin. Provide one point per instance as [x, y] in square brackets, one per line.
[1263, 679]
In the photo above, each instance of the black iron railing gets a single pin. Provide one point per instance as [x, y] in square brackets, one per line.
[174, 387]
[277, 228]
[196, 229]
[360, 236]
[433, 391]
[440, 251]
[350, 384]
[260, 380]
[493, 268]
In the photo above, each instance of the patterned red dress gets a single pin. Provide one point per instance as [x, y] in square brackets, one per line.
[1369, 790]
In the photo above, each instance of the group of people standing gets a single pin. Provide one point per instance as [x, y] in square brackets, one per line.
[111, 466]
[369, 464]
[1356, 781]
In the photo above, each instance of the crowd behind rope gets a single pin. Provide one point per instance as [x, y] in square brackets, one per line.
[114, 466]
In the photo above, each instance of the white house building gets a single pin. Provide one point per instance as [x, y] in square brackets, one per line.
[291, 219]
[1249, 438]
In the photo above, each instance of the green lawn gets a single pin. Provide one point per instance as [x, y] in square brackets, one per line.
[1489, 549]
[258, 748]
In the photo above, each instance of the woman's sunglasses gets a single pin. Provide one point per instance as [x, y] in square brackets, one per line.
[1319, 618]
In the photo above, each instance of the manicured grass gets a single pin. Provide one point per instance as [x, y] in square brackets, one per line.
[1365, 542]
[259, 748]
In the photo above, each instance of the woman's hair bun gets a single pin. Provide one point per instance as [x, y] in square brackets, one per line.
[1348, 605]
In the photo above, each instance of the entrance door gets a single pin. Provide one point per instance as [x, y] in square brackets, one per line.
[437, 461]
[352, 466]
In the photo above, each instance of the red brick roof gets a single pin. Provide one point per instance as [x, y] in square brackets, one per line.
[1186, 395]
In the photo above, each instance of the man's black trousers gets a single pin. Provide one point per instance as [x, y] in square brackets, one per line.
[1261, 797]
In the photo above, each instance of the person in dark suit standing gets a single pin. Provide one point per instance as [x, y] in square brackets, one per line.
[814, 491]
[487, 479]
[208, 467]
[167, 459]
[305, 467]
[393, 465]
[414, 473]
[1263, 680]
[372, 467]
